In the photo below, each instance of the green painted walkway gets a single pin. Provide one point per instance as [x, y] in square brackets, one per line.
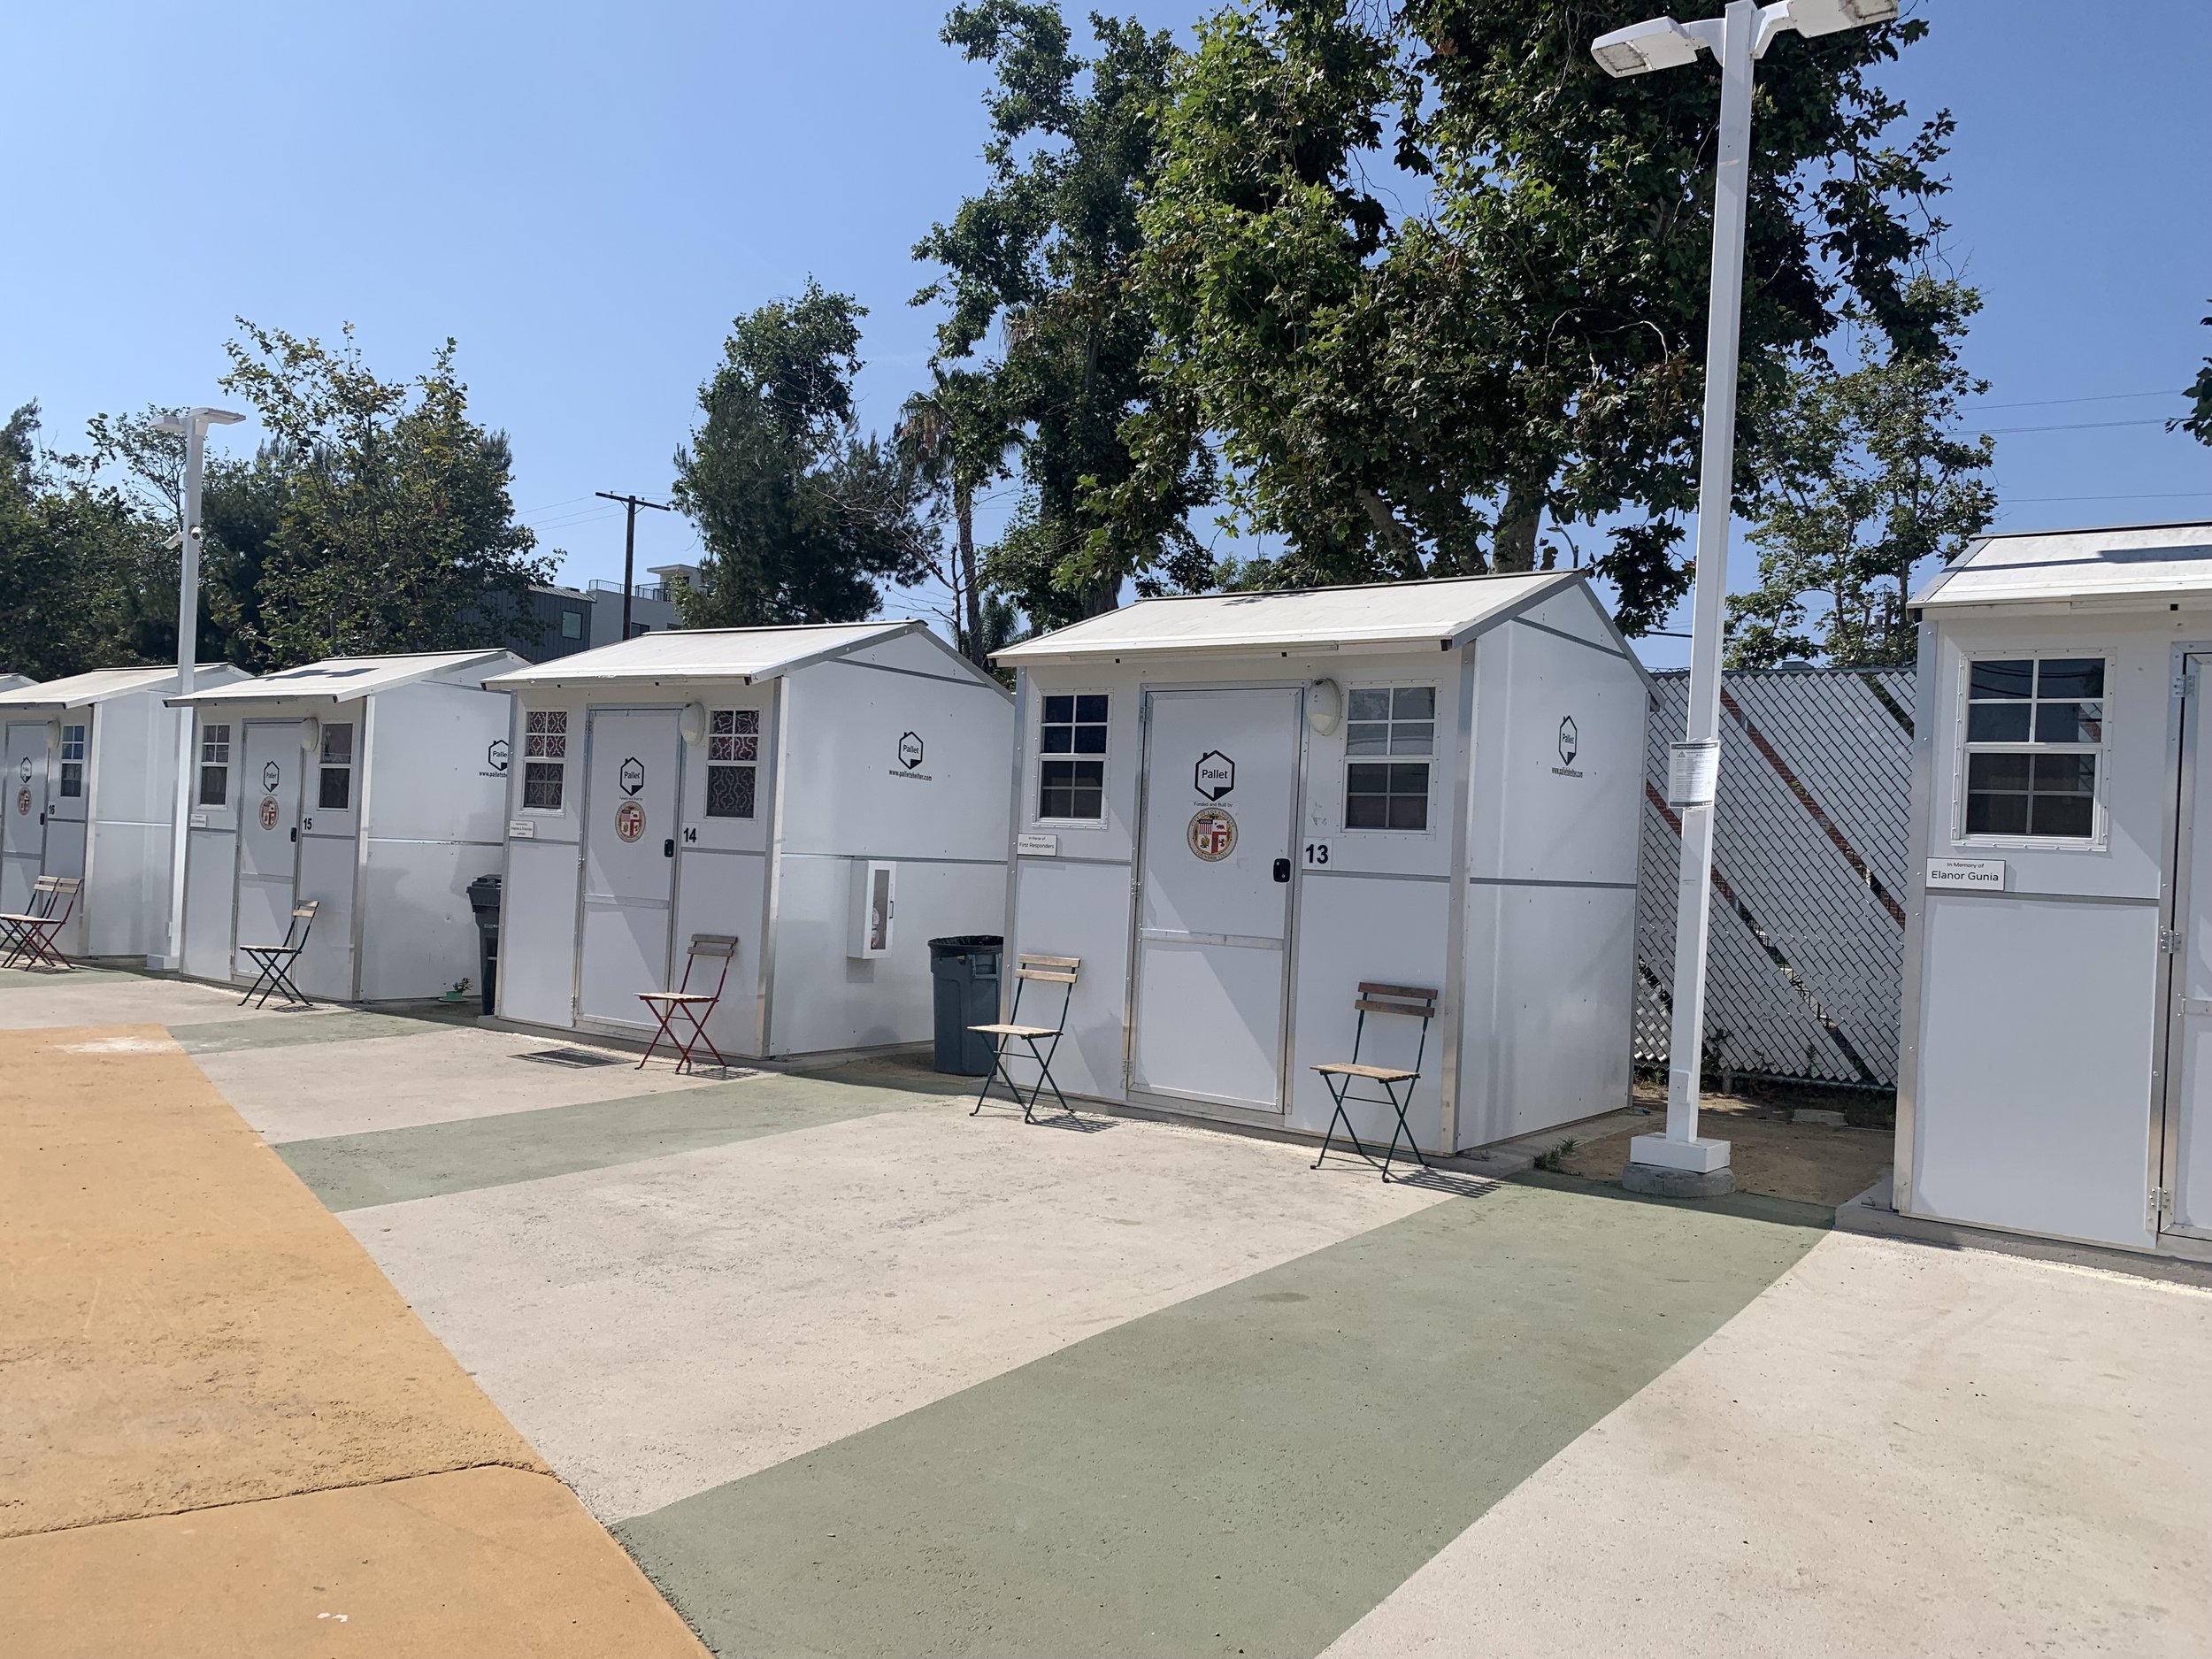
[1247, 1473]
[392, 1165]
[349, 1024]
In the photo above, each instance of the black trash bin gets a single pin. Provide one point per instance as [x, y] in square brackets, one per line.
[965, 972]
[484, 899]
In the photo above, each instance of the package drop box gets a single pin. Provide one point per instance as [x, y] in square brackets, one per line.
[92, 793]
[1237, 810]
[832, 796]
[375, 786]
[2056, 1070]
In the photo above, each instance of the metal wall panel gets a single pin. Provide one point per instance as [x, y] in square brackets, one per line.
[1810, 873]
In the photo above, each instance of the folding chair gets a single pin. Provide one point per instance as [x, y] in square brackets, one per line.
[1058, 971]
[276, 961]
[26, 937]
[694, 1006]
[1414, 1003]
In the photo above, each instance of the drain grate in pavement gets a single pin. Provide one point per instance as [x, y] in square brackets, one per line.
[579, 1057]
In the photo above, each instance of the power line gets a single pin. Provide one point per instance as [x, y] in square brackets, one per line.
[2081, 426]
[2099, 397]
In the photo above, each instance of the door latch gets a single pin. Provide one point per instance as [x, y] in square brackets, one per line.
[1282, 870]
[668, 847]
[296, 834]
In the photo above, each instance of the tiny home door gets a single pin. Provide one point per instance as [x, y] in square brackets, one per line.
[23, 832]
[629, 862]
[268, 836]
[2184, 1204]
[1213, 900]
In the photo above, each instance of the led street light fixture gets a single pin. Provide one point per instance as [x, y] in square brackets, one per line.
[1832, 16]
[1640, 48]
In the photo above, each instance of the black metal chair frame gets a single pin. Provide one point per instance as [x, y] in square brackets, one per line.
[29, 939]
[1060, 970]
[276, 961]
[1412, 1001]
[695, 1006]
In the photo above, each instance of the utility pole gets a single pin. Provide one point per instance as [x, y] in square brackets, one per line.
[629, 544]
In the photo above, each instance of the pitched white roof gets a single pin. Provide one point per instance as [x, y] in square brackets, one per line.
[2143, 562]
[342, 678]
[1436, 615]
[78, 691]
[15, 682]
[686, 654]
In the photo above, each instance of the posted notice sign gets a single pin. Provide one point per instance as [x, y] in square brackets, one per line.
[1037, 846]
[1966, 875]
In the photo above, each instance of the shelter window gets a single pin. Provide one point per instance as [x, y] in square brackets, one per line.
[71, 761]
[1072, 768]
[544, 759]
[1383, 790]
[572, 625]
[214, 765]
[336, 794]
[733, 755]
[2034, 731]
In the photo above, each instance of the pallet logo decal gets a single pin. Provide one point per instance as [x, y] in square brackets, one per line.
[1215, 775]
[1213, 834]
[632, 777]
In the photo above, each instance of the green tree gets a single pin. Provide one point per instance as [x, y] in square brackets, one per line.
[801, 515]
[1046, 256]
[71, 561]
[956, 439]
[395, 526]
[2197, 423]
[1870, 479]
[1410, 375]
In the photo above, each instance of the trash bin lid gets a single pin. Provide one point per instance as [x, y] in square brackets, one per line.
[961, 944]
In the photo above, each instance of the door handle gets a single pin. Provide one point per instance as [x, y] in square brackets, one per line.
[1282, 870]
[668, 847]
[296, 834]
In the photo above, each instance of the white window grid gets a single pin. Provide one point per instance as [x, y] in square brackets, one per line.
[733, 761]
[215, 765]
[1969, 746]
[1390, 740]
[73, 746]
[544, 759]
[1085, 718]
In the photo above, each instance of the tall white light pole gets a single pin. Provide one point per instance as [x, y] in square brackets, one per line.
[1680, 1161]
[192, 427]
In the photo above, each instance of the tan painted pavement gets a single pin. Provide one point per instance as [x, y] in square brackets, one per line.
[210, 1399]
[1896, 1450]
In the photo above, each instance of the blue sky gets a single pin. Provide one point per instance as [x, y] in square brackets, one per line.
[586, 195]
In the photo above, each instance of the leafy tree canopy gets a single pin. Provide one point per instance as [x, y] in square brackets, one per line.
[394, 527]
[1434, 277]
[1870, 478]
[1047, 255]
[801, 516]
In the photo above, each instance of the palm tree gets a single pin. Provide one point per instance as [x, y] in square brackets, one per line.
[956, 439]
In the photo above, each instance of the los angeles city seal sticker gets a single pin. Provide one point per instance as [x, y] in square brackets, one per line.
[629, 820]
[1213, 834]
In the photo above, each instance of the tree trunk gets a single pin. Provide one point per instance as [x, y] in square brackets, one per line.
[1513, 546]
[971, 596]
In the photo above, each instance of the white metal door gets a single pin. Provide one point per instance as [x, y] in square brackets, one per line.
[268, 835]
[23, 832]
[1213, 905]
[2186, 1155]
[629, 862]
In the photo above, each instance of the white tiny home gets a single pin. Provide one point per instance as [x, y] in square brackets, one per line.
[92, 793]
[1237, 809]
[2055, 1071]
[375, 786]
[833, 796]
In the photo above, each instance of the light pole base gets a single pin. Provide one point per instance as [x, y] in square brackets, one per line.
[1659, 1181]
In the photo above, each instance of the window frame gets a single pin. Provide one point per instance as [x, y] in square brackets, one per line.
[1964, 749]
[1428, 761]
[546, 760]
[735, 737]
[220, 767]
[1104, 757]
[324, 765]
[72, 770]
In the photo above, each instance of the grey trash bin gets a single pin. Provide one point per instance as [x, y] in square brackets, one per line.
[484, 900]
[965, 970]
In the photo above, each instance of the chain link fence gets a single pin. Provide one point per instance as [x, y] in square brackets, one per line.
[1805, 973]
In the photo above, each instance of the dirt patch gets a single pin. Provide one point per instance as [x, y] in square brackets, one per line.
[1815, 1164]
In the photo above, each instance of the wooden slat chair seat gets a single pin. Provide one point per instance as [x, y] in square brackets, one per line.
[1397, 1083]
[27, 936]
[276, 961]
[1060, 970]
[697, 1007]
